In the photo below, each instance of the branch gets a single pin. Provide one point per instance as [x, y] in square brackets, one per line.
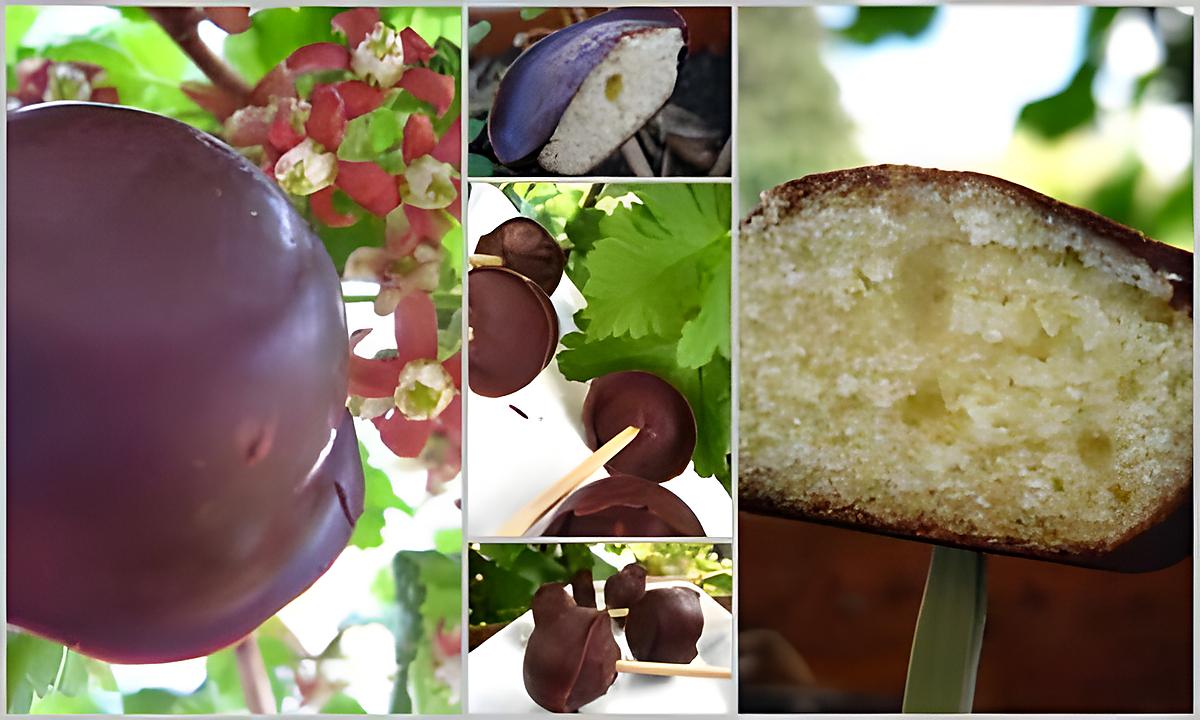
[256, 686]
[180, 24]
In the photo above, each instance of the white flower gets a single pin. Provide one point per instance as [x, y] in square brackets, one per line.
[424, 390]
[379, 58]
[304, 169]
[66, 82]
[427, 183]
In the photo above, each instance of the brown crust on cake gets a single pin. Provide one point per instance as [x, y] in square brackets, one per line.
[1161, 540]
[789, 197]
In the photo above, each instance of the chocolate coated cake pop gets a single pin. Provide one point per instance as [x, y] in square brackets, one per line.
[526, 247]
[623, 506]
[571, 656]
[667, 428]
[664, 625]
[514, 331]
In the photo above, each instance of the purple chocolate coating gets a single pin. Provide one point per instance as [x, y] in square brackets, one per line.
[667, 427]
[664, 625]
[177, 363]
[526, 247]
[514, 331]
[571, 656]
[623, 506]
[538, 86]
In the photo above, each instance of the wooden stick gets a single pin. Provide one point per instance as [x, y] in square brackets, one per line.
[481, 260]
[524, 518]
[635, 158]
[618, 612]
[640, 667]
[252, 670]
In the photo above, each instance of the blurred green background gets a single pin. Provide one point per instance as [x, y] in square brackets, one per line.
[1092, 106]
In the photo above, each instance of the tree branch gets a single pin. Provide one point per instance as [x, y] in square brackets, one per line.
[181, 25]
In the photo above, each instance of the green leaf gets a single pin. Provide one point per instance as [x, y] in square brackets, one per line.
[448, 540]
[276, 33]
[370, 135]
[874, 23]
[31, 665]
[17, 21]
[531, 13]
[428, 595]
[708, 332]
[340, 242]
[378, 497]
[474, 128]
[478, 32]
[479, 166]
[342, 704]
[949, 634]
[1073, 107]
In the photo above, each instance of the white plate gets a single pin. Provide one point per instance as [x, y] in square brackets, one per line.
[495, 683]
[511, 458]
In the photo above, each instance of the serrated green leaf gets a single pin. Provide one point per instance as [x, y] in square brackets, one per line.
[708, 332]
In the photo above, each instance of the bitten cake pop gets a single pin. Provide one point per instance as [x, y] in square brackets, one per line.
[664, 625]
[667, 427]
[582, 589]
[513, 331]
[626, 587]
[524, 246]
[623, 506]
[571, 656]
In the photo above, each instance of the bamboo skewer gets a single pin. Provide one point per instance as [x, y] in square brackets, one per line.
[524, 518]
[641, 667]
[481, 260]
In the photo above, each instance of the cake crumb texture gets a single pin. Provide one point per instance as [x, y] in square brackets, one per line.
[943, 353]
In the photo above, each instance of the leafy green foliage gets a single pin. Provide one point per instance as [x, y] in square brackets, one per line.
[655, 271]
[17, 21]
[503, 577]
[377, 498]
[274, 34]
[139, 59]
[1073, 106]
[872, 23]
[428, 600]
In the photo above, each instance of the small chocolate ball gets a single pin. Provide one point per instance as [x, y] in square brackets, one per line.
[514, 331]
[667, 428]
[526, 247]
[623, 506]
[664, 625]
[626, 587]
[571, 657]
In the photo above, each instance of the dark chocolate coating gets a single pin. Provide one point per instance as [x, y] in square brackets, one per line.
[623, 506]
[514, 331]
[177, 363]
[571, 656]
[526, 247]
[582, 589]
[664, 625]
[626, 587]
[661, 413]
[541, 82]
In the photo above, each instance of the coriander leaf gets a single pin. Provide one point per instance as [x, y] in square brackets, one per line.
[708, 332]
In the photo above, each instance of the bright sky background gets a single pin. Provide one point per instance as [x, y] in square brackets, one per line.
[968, 67]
